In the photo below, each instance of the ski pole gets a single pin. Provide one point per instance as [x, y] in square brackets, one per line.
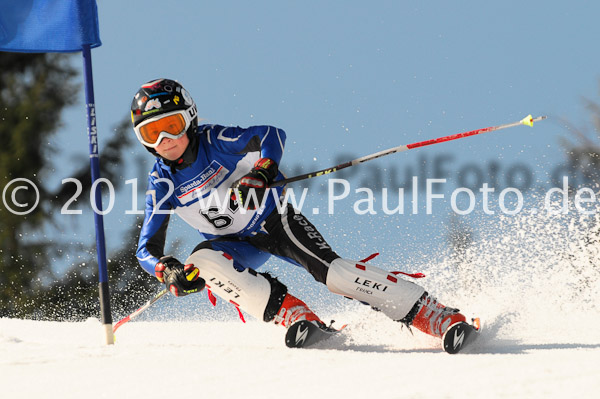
[135, 314]
[155, 298]
[528, 120]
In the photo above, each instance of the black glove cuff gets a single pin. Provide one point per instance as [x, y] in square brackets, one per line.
[267, 168]
[169, 261]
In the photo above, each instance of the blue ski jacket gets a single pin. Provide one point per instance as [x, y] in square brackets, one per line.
[199, 192]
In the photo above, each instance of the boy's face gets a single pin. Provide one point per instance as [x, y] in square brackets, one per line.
[172, 149]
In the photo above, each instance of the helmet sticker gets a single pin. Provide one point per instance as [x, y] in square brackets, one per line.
[150, 112]
[158, 94]
[176, 100]
[153, 104]
[153, 84]
[186, 97]
[143, 100]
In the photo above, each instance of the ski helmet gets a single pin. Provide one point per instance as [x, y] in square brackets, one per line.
[162, 108]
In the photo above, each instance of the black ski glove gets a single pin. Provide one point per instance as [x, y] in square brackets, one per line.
[258, 180]
[180, 280]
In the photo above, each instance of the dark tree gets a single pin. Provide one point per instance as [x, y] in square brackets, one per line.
[34, 90]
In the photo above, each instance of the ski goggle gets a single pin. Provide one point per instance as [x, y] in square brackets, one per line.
[172, 125]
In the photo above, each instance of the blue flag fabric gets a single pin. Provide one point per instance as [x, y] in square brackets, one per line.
[45, 26]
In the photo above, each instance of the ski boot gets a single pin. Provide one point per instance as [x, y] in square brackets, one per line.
[293, 310]
[431, 317]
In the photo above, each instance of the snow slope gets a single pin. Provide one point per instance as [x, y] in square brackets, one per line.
[534, 282]
[233, 360]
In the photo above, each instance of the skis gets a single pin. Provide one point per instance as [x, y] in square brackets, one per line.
[307, 333]
[460, 335]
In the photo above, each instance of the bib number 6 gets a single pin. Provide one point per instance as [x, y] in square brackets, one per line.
[219, 220]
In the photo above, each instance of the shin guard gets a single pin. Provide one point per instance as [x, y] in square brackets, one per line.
[257, 294]
[382, 290]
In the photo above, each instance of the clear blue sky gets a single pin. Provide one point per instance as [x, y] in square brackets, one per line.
[355, 77]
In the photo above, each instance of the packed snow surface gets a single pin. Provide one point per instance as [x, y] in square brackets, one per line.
[534, 283]
[235, 360]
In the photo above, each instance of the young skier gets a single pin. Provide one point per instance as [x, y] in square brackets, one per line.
[196, 164]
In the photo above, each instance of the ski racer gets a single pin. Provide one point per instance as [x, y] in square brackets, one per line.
[196, 164]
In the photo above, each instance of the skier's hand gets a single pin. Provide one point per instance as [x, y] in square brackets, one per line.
[258, 180]
[180, 280]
